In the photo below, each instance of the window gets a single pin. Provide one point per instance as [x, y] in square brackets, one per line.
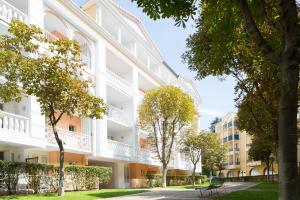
[72, 128]
[1, 106]
[1, 155]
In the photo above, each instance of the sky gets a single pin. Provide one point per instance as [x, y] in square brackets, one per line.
[217, 96]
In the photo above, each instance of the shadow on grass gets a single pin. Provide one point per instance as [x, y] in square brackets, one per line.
[109, 194]
[22, 196]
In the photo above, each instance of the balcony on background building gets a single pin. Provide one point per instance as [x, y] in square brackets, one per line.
[118, 115]
[118, 81]
[253, 163]
[236, 136]
[119, 149]
[236, 149]
[14, 124]
[9, 12]
[71, 139]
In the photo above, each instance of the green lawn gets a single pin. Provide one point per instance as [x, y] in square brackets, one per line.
[80, 195]
[187, 186]
[262, 191]
[269, 186]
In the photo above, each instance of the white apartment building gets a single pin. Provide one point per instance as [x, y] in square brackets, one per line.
[123, 62]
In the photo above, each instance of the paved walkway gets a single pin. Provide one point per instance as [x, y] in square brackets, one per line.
[182, 194]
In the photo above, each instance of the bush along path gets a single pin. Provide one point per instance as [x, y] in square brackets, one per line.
[23, 177]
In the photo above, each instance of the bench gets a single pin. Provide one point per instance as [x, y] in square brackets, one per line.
[215, 185]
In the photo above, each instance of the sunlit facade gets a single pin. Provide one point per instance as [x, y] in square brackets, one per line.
[123, 62]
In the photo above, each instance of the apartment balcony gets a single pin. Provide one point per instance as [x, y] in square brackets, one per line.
[14, 124]
[252, 163]
[118, 82]
[234, 165]
[9, 12]
[16, 130]
[86, 71]
[118, 115]
[147, 157]
[71, 140]
[118, 149]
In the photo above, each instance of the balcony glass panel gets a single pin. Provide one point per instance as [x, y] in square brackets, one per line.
[117, 114]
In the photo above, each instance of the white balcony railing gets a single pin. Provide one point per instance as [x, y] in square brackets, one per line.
[119, 81]
[117, 114]
[118, 148]
[14, 123]
[9, 12]
[146, 156]
[71, 139]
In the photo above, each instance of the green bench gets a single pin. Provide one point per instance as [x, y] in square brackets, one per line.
[216, 184]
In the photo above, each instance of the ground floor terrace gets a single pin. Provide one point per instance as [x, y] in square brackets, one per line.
[125, 174]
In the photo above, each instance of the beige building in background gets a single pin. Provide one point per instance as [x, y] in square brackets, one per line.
[237, 162]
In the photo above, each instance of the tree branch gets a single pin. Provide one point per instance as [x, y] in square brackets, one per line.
[255, 34]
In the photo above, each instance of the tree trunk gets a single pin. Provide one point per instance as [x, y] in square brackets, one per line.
[268, 171]
[287, 128]
[61, 188]
[193, 175]
[164, 178]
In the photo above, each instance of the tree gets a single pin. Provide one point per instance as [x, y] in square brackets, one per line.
[191, 145]
[267, 29]
[212, 127]
[213, 151]
[261, 150]
[52, 72]
[164, 112]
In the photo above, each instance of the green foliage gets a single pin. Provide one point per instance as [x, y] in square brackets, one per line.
[87, 177]
[78, 195]
[213, 151]
[212, 127]
[51, 70]
[191, 145]
[163, 113]
[261, 149]
[41, 176]
[181, 11]
[155, 180]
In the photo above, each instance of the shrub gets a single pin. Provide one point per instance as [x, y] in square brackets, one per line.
[154, 180]
[42, 177]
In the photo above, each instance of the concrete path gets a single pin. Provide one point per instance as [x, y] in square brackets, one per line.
[182, 194]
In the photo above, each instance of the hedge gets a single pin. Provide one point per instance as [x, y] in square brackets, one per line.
[155, 180]
[36, 178]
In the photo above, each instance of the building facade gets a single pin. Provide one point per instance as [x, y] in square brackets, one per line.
[237, 143]
[123, 62]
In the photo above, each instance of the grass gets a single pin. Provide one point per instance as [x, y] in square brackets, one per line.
[187, 186]
[80, 195]
[267, 186]
[262, 191]
[250, 195]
